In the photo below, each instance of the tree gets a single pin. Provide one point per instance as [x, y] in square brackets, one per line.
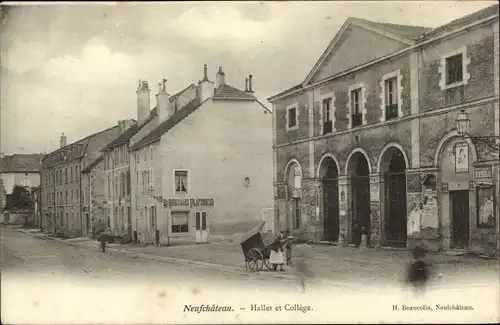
[21, 198]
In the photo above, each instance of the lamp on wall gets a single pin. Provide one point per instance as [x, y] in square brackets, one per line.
[463, 124]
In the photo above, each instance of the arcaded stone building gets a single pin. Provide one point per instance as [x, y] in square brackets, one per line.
[368, 143]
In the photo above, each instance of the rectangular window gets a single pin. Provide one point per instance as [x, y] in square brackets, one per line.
[356, 108]
[292, 117]
[327, 118]
[71, 174]
[152, 153]
[454, 69]
[180, 221]
[391, 98]
[181, 181]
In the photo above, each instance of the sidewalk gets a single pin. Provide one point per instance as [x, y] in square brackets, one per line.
[325, 261]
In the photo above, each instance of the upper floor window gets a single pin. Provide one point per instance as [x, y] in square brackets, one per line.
[453, 69]
[181, 181]
[356, 113]
[327, 115]
[292, 118]
[391, 98]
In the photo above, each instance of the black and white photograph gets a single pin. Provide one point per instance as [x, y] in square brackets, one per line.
[249, 162]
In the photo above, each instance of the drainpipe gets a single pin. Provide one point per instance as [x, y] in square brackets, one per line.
[80, 195]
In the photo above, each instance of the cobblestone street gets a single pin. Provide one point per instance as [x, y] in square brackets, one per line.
[132, 287]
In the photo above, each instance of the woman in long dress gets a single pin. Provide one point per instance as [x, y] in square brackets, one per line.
[276, 257]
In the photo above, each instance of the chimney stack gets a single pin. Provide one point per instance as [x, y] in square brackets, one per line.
[220, 78]
[206, 86]
[121, 126]
[63, 140]
[143, 101]
[246, 84]
[205, 73]
[164, 108]
[250, 90]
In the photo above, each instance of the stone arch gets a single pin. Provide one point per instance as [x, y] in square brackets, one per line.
[351, 154]
[382, 163]
[321, 161]
[290, 163]
[450, 135]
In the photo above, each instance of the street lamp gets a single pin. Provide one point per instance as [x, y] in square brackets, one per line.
[463, 125]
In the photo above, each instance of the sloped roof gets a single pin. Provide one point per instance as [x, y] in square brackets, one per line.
[406, 31]
[124, 137]
[94, 163]
[178, 116]
[174, 97]
[21, 163]
[415, 34]
[460, 22]
[227, 92]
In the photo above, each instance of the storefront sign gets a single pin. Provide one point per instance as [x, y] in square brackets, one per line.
[483, 172]
[188, 202]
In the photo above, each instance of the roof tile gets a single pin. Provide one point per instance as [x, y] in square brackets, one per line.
[21, 163]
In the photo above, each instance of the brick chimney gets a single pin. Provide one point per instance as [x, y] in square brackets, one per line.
[164, 108]
[63, 140]
[220, 78]
[143, 101]
[206, 86]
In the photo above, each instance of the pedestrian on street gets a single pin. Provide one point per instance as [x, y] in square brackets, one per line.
[103, 244]
[276, 257]
[418, 272]
[303, 270]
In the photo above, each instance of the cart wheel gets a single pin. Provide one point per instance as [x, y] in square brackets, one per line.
[255, 260]
[268, 264]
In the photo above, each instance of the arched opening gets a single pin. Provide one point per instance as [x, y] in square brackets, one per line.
[393, 166]
[360, 197]
[328, 174]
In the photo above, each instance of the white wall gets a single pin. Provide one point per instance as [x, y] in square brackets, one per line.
[220, 144]
[12, 179]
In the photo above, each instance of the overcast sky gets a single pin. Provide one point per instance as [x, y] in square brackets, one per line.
[75, 68]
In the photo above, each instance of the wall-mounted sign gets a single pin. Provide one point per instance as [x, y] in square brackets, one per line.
[188, 202]
[461, 158]
[483, 172]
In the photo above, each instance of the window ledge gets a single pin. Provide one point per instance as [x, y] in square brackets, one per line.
[454, 85]
[292, 128]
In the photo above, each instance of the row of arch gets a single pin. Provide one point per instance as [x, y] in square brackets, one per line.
[389, 146]
[392, 164]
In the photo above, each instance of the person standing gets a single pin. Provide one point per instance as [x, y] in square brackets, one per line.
[418, 272]
[276, 257]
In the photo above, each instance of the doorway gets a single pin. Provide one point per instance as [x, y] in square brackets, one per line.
[460, 219]
[395, 202]
[360, 189]
[329, 174]
[201, 227]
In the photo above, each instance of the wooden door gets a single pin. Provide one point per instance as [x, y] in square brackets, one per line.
[460, 219]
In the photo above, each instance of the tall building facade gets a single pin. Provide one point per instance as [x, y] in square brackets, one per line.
[367, 144]
[202, 169]
[61, 181]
